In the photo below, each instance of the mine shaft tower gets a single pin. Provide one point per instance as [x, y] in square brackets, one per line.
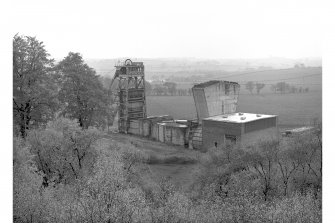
[131, 93]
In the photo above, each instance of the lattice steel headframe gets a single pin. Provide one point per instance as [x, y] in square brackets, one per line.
[131, 93]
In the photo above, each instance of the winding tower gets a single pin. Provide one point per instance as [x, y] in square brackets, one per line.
[131, 93]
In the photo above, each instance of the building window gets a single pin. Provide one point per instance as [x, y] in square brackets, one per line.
[230, 139]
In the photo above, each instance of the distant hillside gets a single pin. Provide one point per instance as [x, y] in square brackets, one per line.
[166, 67]
[188, 71]
[310, 77]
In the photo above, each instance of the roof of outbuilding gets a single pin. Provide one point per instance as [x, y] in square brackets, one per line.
[173, 124]
[239, 117]
[302, 129]
[212, 82]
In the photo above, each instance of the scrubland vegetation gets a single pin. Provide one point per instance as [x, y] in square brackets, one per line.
[67, 169]
[66, 174]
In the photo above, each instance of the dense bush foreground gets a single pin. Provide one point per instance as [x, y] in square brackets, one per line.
[63, 173]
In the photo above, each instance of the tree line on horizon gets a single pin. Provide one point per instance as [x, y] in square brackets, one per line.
[279, 87]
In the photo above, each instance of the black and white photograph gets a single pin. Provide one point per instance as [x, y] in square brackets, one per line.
[167, 111]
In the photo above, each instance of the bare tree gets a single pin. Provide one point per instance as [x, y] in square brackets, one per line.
[287, 167]
[261, 159]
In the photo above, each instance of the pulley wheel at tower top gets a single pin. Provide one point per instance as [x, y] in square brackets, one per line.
[128, 62]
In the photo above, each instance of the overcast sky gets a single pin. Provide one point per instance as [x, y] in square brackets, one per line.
[206, 29]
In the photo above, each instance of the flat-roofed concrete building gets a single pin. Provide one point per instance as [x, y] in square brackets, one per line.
[244, 128]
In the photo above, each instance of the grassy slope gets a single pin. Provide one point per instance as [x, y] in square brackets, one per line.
[165, 161]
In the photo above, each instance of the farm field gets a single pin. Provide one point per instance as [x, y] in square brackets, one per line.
[292, 109]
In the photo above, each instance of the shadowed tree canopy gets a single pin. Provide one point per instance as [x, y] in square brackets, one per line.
[34, 91]
[82, 94]
[172, 87]
[148, 88]
[63, 151]
[259, 87]
[250, 86]
[282, 87]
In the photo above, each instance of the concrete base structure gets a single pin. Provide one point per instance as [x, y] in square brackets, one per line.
[243, 128]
